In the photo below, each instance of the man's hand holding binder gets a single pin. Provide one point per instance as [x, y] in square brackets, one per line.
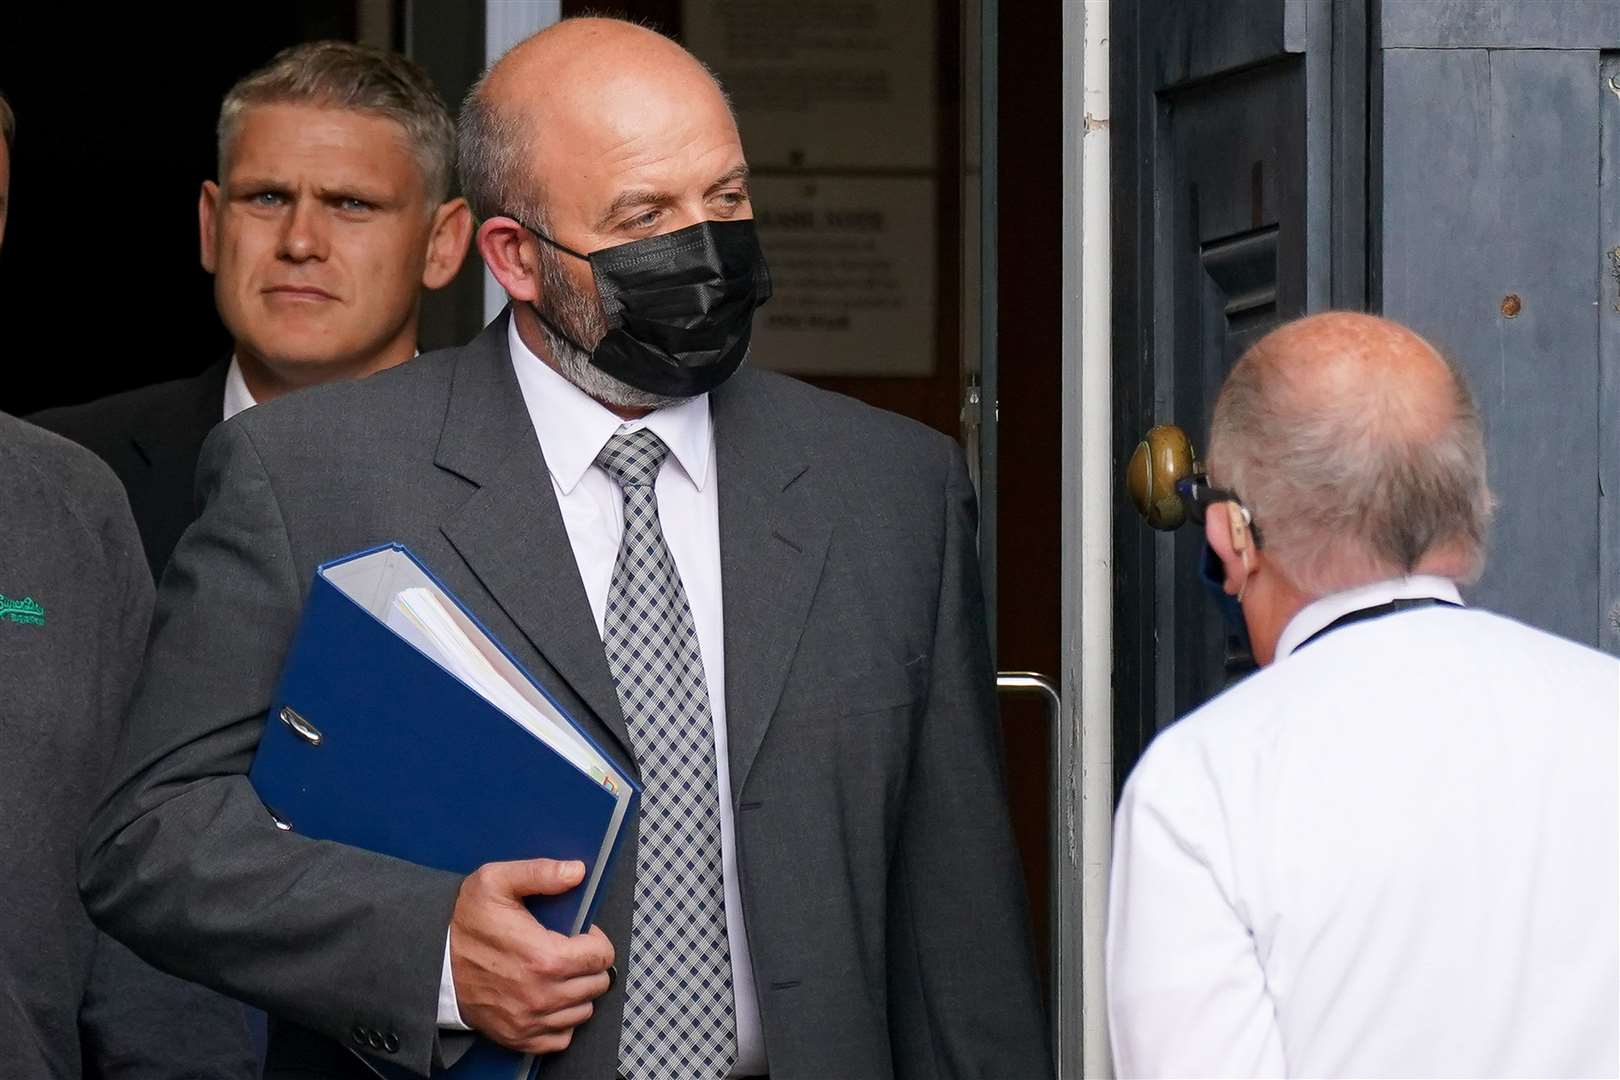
[402, 727]
[516, 982]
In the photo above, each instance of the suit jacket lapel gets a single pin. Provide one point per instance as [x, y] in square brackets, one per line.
[773, 544]
[511, 533]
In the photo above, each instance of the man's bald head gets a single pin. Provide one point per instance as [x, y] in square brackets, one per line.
[581, 85]
[572, 68]
[1358, 450]
[591, 134]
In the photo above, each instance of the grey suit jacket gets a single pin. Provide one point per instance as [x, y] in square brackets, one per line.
[884, 905]
[74, 1003]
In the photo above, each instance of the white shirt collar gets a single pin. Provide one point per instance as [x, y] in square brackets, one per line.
[573, 426]
[238, 398]
[1319, 614]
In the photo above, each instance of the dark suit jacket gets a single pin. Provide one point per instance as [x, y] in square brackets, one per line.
[72, 1000]
[151, 437]
[884, 906]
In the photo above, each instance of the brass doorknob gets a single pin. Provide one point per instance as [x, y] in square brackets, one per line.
[1163, 459]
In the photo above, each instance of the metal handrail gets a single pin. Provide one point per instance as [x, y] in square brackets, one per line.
[1033, 682]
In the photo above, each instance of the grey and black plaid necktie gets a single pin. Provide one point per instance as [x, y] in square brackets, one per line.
[679, 1017]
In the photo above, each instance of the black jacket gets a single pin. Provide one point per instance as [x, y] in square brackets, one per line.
[151, 437]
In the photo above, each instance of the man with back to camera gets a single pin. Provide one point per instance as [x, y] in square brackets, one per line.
[1392, 852]
[842, 896]
[75, 601]
[331, 214]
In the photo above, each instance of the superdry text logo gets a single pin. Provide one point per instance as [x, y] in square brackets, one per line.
[27, 610]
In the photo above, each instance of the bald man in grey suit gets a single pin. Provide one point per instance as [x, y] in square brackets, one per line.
[874, 916]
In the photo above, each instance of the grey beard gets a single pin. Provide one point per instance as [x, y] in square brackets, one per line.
[575, 365]
[570, 311]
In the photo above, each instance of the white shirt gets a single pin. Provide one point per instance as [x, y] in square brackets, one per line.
[238, 398]
[573, 428]
[1394, 852]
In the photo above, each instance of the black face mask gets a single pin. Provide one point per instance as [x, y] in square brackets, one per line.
[680, 307]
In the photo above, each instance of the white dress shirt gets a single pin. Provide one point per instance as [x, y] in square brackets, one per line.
[573, 428]
[238, 398]
[1394, 852]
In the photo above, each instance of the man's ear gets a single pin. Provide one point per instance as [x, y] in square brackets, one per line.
[1228, 533]
[207, 215]
[509, 253]
[447, 243]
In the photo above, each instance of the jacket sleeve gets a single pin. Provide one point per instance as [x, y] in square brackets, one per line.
[1186, 992]
[183, 863]
[963, 996]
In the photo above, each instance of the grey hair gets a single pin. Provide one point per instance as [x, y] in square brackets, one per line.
[573, 325]
[495, 149]
[343, 75]
[1346, 490]
[8, 123]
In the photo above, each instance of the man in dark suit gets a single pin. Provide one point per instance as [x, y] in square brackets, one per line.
[761, 598]
[331, 214]
[74, 605]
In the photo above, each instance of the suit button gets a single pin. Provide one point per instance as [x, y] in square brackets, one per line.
[390, 1042]
[376, 1039]
[358, 1035]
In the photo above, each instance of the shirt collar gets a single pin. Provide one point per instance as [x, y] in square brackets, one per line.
[1319, 614]
[573, 426]
[238, 398]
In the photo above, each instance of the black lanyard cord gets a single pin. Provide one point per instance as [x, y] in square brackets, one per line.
[1377, 612]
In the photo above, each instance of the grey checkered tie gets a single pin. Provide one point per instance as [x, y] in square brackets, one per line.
[678, 1006]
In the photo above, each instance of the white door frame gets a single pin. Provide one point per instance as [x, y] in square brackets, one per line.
[1084, 800]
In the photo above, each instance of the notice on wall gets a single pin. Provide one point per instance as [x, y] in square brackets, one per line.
[824, 83]
[853, 268]
[837, 105]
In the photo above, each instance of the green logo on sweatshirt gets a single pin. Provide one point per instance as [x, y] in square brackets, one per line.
[27, 610]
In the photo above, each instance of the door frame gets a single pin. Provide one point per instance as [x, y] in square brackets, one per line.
[1083, 790]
